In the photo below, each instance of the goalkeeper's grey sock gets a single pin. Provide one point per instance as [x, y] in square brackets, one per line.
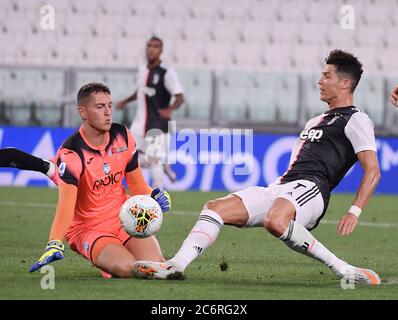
[202, 236]
[301, 240]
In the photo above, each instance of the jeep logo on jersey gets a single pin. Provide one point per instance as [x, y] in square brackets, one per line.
[107, 168]
[108, 180]
[311, 135]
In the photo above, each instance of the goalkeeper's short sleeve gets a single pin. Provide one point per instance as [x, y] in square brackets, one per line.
[69, 166]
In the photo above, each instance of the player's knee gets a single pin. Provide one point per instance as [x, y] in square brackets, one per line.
[214, 205]
[231, 216]
[275, 224]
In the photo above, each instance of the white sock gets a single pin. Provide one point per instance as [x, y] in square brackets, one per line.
[202, 236]
[51, 168]
[301, 240]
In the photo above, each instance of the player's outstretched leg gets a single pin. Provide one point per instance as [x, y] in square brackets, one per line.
[202, 236]
[280, 222]
[229, 210]
[301, 240]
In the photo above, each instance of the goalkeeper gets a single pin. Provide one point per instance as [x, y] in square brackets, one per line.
[91, 164]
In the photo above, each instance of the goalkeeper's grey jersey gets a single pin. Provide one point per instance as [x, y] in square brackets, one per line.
[327, 148]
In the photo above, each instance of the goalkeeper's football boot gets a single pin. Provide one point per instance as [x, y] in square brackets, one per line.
[366, 276]
[156, 270]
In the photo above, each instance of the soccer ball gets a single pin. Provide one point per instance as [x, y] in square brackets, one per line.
[141, 216]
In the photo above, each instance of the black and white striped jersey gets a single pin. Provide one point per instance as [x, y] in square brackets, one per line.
[156, 86]
[327, 148]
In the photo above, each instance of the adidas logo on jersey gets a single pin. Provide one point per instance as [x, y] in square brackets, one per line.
[311, 135]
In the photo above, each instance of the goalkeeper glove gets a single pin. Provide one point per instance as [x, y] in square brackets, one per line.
[54, 251]
[163, 198]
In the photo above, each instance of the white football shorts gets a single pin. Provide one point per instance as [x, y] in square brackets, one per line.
[303, 194]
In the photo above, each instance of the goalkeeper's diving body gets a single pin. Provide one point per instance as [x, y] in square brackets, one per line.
[290, 208]
[91, 164]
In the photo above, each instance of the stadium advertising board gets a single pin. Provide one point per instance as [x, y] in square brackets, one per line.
[222, 159]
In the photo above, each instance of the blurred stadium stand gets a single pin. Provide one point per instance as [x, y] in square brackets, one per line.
[249, 63]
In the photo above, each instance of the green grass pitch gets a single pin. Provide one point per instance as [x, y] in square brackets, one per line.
[259, 266]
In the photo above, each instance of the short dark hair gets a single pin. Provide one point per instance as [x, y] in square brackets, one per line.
[346, 63]
[155, 38]
[85, 91]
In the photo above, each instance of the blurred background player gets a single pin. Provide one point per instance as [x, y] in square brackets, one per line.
[157, 84]
[394, 96]
[91, 165]
[329, 146]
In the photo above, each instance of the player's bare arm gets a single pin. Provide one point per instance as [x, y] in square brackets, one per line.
[394, 96]
[178, 101]
[370, 179]
[122, 104]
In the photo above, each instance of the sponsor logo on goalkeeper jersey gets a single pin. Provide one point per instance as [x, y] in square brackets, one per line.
[109, 180]
[115, 150]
